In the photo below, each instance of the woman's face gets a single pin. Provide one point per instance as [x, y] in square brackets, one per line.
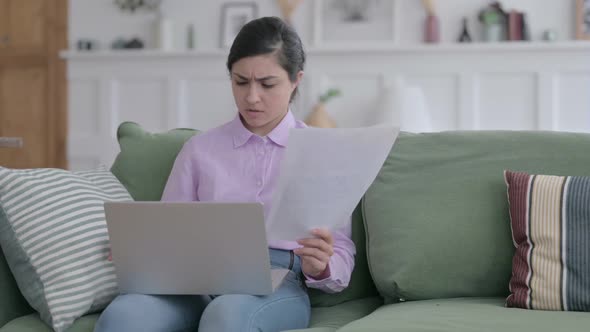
[262, 91]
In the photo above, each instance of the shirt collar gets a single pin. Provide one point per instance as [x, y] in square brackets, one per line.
[240, 134]
[279, 135]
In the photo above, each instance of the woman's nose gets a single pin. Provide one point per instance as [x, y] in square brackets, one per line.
[252, 97]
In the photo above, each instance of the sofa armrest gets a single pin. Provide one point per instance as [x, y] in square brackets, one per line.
[12, 303]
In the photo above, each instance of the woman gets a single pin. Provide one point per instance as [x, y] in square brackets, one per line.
[239, 161]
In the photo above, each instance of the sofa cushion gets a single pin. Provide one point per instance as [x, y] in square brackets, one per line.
[466, 314]
[54, 236]
[146, 159]
[437, 214]
[315, 329]
[32, 323]
[332, 318]
[322, 319]
[550, 218]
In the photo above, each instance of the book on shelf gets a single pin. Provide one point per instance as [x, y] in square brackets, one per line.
[517, 26]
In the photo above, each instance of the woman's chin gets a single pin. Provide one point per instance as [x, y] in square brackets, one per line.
[254, 123]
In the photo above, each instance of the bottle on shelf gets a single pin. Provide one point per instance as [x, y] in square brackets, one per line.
[164, 33]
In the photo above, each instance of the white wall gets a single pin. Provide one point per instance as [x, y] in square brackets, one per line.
[103, 21]
[482, 87]
[528, 86]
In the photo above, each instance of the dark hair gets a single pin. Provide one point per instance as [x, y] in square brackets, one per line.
[268, 35]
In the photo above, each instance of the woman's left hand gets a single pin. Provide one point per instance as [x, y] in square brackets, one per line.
[316, 252]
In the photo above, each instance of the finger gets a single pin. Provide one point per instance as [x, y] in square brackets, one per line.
[319, 244]
[324, 234]
[313, 252]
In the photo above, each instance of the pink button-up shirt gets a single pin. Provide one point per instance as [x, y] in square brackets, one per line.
[231, 164]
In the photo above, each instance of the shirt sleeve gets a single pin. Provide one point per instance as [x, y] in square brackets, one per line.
[182, 182]
[341, 263]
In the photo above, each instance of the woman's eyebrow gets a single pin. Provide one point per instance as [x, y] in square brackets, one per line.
[266, 78]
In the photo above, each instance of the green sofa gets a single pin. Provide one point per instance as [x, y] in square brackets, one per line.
[432, 233]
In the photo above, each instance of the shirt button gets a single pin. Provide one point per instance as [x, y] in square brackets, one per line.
[259, 183]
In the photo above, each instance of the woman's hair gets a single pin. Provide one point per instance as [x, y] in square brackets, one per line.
[268, 35]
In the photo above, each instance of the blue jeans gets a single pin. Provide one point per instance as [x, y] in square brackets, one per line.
[287, 308]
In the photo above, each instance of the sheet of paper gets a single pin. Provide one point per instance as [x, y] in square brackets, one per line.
[324, 174]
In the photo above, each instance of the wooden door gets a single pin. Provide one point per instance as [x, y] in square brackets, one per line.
[32, 82]
[3, 24]
[27, 22]
[24, 89]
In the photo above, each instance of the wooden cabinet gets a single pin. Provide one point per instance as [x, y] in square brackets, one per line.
[32, 82]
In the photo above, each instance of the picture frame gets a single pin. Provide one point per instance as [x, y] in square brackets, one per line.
[234, 15]
[583, 19]
[350, 23]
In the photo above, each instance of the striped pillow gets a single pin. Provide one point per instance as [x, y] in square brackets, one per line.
[550, 219]
[54, 236]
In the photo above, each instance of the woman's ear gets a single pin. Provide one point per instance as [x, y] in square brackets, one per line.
[299, 79]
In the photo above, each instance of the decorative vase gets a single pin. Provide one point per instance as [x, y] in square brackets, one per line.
[432, 29]
[164, 34]
[320, 118]
[191, 37]
[493, 32]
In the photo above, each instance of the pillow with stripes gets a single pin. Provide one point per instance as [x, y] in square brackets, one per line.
[54, 236]
[550, 219]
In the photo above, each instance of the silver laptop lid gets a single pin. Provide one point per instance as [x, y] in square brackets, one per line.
[189, 248]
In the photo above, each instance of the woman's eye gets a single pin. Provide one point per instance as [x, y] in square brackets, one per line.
[241, 83]
[268, 86]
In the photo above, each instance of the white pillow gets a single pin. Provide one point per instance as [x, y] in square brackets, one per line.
[403, 106]
[54, 236]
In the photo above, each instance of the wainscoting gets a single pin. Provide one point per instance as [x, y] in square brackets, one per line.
[512, 86]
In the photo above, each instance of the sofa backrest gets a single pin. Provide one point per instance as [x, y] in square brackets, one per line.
[437, 216]
[146, 159]
[361, 284]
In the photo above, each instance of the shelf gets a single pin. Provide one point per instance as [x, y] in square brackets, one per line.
[139, 53]
[516, 46]
[503, 47]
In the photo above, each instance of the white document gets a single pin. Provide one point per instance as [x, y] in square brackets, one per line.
[324, 174]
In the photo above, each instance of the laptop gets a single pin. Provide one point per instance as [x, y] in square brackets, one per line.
[192, 248]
